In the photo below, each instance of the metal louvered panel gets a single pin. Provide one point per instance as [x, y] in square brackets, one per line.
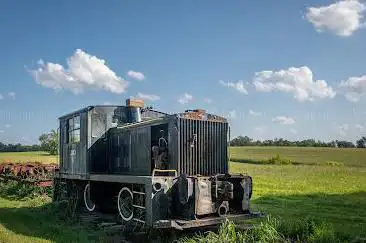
[203, 147]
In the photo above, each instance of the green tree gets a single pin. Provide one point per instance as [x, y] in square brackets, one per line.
[49, 142]
[361, 143]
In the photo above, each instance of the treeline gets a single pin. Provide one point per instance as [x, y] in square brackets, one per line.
[246, 141]
[18, 147]
[48, 143]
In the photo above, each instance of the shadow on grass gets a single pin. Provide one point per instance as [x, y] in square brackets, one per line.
[46, 223]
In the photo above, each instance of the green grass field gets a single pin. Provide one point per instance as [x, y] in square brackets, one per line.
[351, 157]
[27, 156]
[333, 192]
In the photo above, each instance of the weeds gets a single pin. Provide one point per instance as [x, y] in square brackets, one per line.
[20, 191]
[277, 160]
[271, 230]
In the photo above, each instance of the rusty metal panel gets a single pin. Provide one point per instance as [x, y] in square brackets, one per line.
[82, 159]
[173, 138]
[119, 156]
[62, 147]
[152, 114]
[195, 147]
[204, 155]
[140, 151]
[190, 150]
[184, 147]
[225, 147]
[203, 197]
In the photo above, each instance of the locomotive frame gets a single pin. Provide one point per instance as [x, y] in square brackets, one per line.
[150, 168]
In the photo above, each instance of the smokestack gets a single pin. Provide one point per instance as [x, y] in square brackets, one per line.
[134, 110]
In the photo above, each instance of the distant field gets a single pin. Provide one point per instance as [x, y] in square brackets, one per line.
[335, 193]
[27, 156]
[349, 157]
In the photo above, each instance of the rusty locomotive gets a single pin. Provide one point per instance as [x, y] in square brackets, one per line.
[150, 168]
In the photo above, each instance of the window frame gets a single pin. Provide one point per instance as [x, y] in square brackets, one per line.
[72, 129]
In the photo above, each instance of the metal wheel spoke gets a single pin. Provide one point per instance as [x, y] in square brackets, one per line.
[125, 204]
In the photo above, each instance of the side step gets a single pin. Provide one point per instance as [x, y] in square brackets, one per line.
[139, 206]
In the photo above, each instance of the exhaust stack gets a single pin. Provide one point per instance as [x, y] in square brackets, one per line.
[134, 110]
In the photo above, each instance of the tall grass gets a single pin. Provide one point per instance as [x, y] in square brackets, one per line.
[22, 191]
[271, 230]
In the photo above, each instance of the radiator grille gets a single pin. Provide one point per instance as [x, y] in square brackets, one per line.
[202, 147]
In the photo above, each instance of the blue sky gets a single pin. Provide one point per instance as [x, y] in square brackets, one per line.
[257, 62]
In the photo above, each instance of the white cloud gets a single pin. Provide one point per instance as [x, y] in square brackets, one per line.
[136, 75]
[354, 88]
[284, 120]
[231, 114]
[83, 72]
[341, 18]
[360, 127]
[12, 94]
[107, 103]
[207, 100]
[26, 140]
[7, 126]
[293, 131]
[185, 98]
[298, 81]
[260, 129]
[352, 97]
[1, 97]
[255, 113]
[239, 86]
[342, 129]
[1, 131]
[150, 97]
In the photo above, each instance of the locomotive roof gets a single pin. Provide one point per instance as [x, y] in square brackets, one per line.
[90, 107]
[188, 115]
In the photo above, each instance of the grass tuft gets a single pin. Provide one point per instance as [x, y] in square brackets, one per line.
[277, 160]
[334, 163]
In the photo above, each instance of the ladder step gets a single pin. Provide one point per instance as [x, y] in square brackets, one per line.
[137, 206]
[139, 220]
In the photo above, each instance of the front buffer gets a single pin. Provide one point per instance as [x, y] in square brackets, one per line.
[193, 201]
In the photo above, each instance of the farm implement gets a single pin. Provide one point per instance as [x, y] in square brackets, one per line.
[32, 172]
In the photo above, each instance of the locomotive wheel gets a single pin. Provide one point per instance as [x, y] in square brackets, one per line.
[89, 204]
[125, 204]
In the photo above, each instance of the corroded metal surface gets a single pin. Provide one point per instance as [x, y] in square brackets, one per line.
[199, 114]
[32, 172]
